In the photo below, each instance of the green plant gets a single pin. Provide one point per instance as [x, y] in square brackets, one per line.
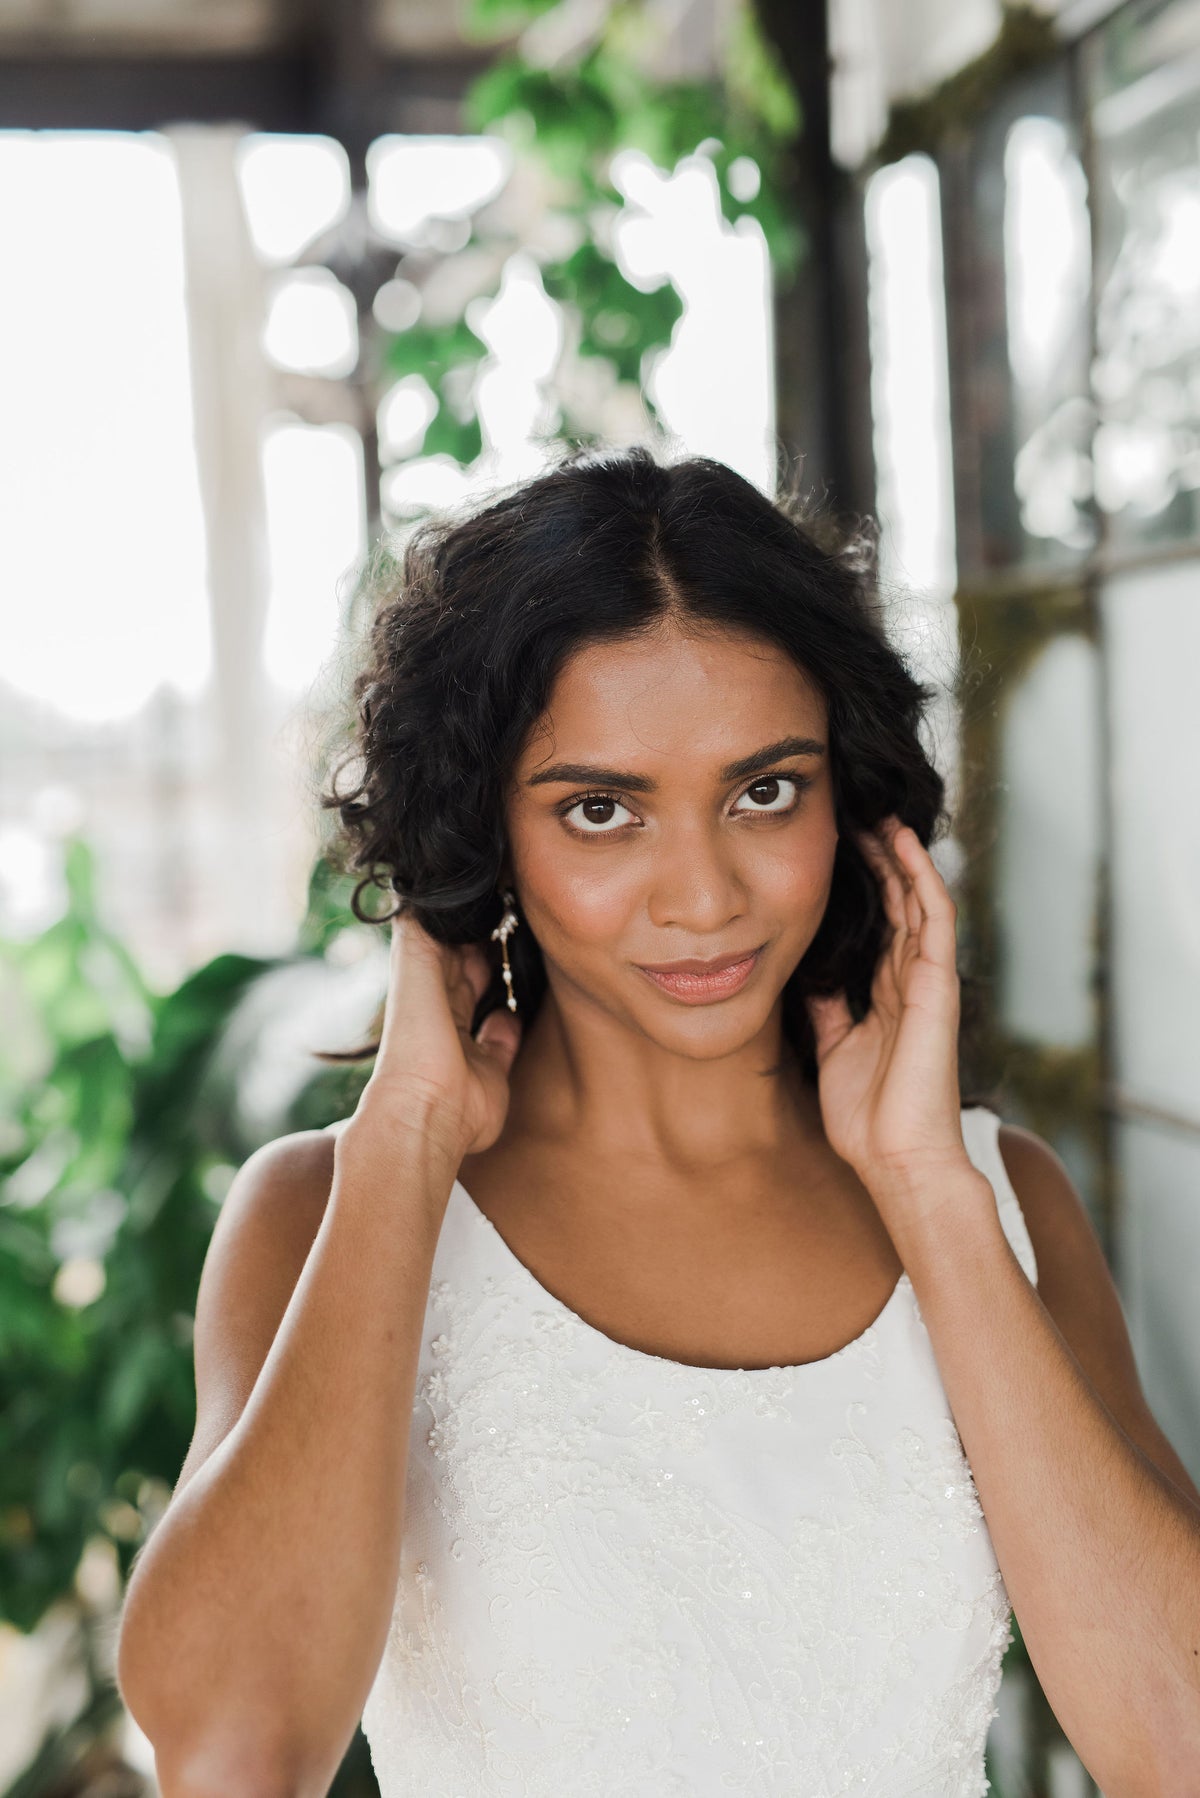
[571, 118]
[119, 1134]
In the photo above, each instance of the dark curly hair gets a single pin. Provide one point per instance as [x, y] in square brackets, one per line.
[604, 543]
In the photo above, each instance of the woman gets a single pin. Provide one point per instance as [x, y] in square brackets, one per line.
[738, 1427]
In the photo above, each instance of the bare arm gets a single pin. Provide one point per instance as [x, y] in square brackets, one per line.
[256, 1615]
[1099, 1548]
[262, 1599]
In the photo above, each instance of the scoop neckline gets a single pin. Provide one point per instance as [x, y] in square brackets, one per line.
[683, 1367]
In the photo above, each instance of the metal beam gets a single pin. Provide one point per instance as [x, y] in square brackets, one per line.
[285, 90]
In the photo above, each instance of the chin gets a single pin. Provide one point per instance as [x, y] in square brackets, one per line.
[706, 1033]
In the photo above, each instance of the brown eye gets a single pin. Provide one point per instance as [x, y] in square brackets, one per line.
[774, 793]
[593, 814]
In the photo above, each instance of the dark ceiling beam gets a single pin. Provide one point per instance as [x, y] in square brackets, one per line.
[291, 89]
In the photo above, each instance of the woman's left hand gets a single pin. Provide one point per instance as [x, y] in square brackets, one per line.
[888, 1086]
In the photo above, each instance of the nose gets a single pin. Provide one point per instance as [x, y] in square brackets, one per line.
[695, 888]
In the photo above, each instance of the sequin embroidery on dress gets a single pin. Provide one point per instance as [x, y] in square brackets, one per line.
[625, 1575]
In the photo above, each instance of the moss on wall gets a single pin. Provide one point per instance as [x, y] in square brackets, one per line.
[1026, 39]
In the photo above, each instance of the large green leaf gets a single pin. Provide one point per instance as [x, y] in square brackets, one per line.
[433, 350]
[484, 19]
[619, 320]
[107, 1155]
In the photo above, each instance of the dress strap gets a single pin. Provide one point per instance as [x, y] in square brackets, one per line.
[981, 1134]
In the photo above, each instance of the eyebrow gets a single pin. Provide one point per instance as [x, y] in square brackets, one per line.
[585, 772]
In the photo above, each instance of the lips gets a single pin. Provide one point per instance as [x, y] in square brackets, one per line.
[697, 982]
[716, 965]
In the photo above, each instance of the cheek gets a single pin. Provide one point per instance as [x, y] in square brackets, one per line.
[795, 888]
[585, 909]
[580, 898]
[794, 875]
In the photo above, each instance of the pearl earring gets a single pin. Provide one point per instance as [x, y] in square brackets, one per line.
[501, 934]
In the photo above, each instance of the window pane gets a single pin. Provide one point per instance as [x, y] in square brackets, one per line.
[102, 551]
[1152, 627]
[1049, 847]
[316, 533]
[1145, 79]
[1158, 1251]
[1024, 419]
[909, 380]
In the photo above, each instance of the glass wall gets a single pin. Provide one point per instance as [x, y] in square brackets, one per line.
[1152, 640]
[1070, 210]
[1072, 223]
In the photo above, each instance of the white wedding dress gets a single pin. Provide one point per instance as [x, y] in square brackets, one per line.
[622, 1575]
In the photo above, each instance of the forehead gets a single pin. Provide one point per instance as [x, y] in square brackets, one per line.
[706, 693]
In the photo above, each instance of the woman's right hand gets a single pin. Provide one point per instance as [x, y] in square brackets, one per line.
[430, 1073]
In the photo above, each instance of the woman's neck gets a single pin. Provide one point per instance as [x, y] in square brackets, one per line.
[586, 1079]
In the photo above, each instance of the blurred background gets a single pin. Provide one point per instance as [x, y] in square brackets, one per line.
[280, 276]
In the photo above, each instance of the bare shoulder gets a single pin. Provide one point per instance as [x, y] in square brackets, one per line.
[261, 1240]
[1076, 1285]
[1054, 1212]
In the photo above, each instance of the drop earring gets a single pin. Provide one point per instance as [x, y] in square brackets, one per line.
[501, 934]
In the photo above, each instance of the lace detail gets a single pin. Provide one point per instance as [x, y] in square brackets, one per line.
[624, 1575]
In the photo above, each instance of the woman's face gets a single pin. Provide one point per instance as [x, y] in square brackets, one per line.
[675, 803]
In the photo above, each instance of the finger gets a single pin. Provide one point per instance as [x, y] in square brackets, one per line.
[478, 968]
[913, 909]
[938, 932]
[468, 978]
[891, 888]
[887, 991]
[499, 1036]
[417, 979]
[897, 869]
